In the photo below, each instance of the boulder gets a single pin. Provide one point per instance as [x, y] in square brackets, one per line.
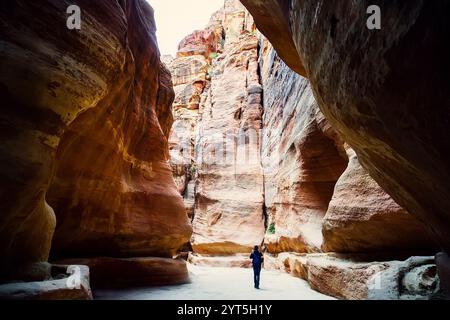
[58, 286]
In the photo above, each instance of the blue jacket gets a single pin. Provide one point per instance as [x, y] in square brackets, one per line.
[257, 259]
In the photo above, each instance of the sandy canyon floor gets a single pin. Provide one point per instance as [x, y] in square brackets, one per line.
[222, 284]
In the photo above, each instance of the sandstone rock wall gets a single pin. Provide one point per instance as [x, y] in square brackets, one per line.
[313, 203]
[84, 127]
[301, 156]
[362, 217]
[385, 91]
[229, 201]
[361, 277]
[215, 138]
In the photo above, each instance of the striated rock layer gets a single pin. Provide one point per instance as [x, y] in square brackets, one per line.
[215, 138]
[84, 127]
[316, 195]
[113, 190]
[229, 200]
[391, 102]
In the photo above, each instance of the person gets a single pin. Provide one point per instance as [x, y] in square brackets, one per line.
[257, 260]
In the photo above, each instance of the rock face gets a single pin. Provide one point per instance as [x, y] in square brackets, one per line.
[200, 42]
[85, 128]
[312, 203]
[116, 196]
[302, 158]
[357, 277]
[361, 217]
[189, 75]
[221, 118]
[229, 200]
[390, 104]
[62, 282]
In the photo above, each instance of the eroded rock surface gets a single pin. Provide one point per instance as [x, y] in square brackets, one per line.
[389, 103]
[359, 277]
[120, 273]
[84, 128]
[215, 139]
[113, 191]
[314, 199]
[362, 217]
[302, 158]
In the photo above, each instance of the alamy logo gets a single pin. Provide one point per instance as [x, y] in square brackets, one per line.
[74, 280]
[374, 21]
[74, 19]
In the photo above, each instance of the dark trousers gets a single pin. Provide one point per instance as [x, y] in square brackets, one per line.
[256, 275]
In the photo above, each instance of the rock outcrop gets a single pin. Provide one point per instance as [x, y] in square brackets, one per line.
[358, 277]
[51, 282]
[391, 103]
[228, 261]
[115, 196]
[361, 217]
[228, 214]
[84, 128]
[189, 75]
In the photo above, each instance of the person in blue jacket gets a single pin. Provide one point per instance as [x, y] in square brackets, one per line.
[257, 260]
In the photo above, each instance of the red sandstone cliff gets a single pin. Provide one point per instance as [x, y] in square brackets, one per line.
[385, 91]
[218, 118]
[84, 135]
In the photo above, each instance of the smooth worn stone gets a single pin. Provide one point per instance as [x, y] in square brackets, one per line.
[62, 286]
[108, 272]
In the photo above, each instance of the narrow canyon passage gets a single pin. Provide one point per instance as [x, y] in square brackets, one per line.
[222, 284]
[257, 163]
[148, 175]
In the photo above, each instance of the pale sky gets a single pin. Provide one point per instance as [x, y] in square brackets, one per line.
[175, 19]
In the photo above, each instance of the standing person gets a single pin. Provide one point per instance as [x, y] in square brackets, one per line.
[257, 260]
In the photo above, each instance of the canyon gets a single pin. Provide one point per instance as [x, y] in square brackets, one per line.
[323, 142]
[248, 129]
[373, 87]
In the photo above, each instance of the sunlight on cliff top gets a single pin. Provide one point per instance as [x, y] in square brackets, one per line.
[178, 18]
